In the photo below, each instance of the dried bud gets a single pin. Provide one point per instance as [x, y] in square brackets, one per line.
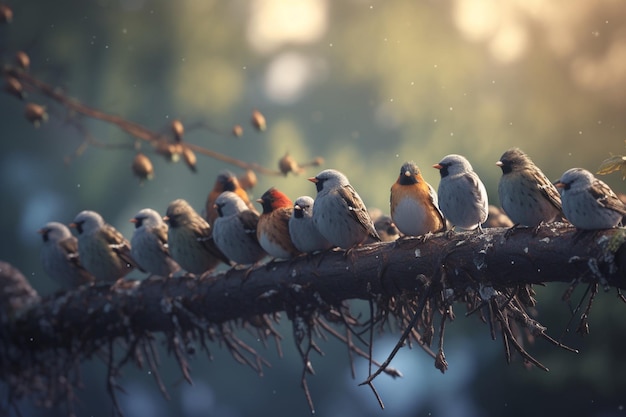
[178, 129]
[142, 167]
[258, 121]
[237, 131]
[22, 60]
[14, 87]
[170, 151]
[287, 164]
[318, 161]
[35, 114]
[6, 14]
[248, 179]
[190, 158]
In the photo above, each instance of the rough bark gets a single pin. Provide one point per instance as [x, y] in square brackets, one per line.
[430, 272]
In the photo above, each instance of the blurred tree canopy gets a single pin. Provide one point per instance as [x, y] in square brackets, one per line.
[366, 85]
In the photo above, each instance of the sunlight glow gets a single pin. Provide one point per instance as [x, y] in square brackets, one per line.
[276, 22]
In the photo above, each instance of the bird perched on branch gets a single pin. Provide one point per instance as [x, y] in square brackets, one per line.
[189, 239]
[59, 256]
[589, 203]
[103, 251]
[225, 181]
[462, 195]
[413, 203]
[304, 234]
[273, 229]
[339, 214]
[526, 194]
[235, 229]
[149, 244]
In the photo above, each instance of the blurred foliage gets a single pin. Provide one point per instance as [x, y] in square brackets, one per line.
[366, 86]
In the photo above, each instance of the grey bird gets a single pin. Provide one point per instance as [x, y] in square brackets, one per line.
[59, 256]
[462, 195]
[588, 203]
[340, 215]
[149, 244]
[235, 228]
[302, 230]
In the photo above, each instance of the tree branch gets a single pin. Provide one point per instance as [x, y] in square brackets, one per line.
[485, 271]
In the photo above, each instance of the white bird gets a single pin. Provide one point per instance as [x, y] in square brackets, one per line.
[302, 230]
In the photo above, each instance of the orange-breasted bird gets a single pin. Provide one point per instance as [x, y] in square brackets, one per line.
[225, 181]
[413, 203]
[273, 228]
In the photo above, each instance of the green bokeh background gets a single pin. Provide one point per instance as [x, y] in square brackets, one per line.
[364, 84]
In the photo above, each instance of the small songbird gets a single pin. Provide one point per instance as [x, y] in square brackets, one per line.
[273, 229]
[340, 215]
[235, 230]
[59, 256]
[103, 250]
[462, 195]
[588, 203]
[413, 203]
[526, 194]
[149, 244]
[304, 234]
[189, 239]
[225, 181]
[386, 228]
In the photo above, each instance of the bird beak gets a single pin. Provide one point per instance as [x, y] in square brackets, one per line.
[166, 219]
[499, 163]
[559, 184]
[438, 166]
[259, 200]
[41, 231]
[133, 220]
[407, 173]
[313, 179]
[72, 225]
[297, 207]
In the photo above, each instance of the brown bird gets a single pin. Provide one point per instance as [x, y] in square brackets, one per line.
[225, 181]
[103, 250]
[190, 240]
[273, 228]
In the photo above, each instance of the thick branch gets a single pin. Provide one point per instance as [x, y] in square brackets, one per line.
[470, 261]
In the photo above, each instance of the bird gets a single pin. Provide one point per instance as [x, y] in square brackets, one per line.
[462, 195]
[190, 240]
[589, 203]
[149, 244]
[302, 230]
[59, 256]
[235, 230]
[102, 249]
[340, 215]
[273, 228]
[413, 203]
[527, 196]
[225, 181]
[386, 228]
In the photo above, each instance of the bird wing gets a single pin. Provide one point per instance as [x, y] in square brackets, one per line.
[161, 234]
[549, 190]
[119, 244]
[204, 235]
[358, 210]
[606, 197]
[70, 248]
[250, 221]
[434, 200]
[477, 186]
